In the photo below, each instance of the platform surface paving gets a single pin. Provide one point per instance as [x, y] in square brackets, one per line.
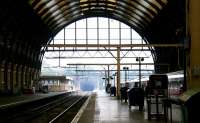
[105, 109]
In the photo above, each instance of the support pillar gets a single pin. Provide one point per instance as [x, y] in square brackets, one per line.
[193, 67]
[32, 77]
[37, 82]
[28, 78]
[19, 76]
[108, 74]
[9, 79]
[118, 72]
[2, 77]
[14, 76]
[24, 78]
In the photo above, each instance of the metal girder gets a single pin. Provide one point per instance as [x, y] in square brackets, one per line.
[88, 64]
[82, 57]
[57, 13]
[97, 75]
[88, 49]
[115, 45]
[109, 70]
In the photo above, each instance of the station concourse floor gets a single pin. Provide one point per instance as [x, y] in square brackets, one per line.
[103, 108]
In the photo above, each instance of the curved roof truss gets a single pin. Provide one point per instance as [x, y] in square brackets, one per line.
[56, 14]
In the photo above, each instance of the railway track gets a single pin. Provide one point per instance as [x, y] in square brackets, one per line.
[61, 110]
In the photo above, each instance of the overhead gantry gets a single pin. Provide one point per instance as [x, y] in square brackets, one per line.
[118, 57]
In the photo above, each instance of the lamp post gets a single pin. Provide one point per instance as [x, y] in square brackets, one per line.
[139, 59]
[114, 77]
[125, 68]
[107, 84]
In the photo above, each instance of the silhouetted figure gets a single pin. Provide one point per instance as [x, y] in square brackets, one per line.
[108, 88]
[124, 95]
[113, 90]
[136, 97]
[148, 89]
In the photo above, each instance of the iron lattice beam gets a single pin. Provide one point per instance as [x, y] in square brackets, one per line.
[88, 49]
[71, 57]
[103, 70]
[114, 45]
[88, 64]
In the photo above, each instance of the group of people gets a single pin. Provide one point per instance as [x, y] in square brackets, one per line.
[135, 95]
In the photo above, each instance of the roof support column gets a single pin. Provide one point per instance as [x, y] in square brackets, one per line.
[108, 74]
[118, 72]
[193, 67]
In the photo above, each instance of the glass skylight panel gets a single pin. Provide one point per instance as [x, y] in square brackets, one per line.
[125, 41]
[57, 13]
[114, 34]
[57, 17]
[69, 34]
[84, 5]
[140, 13]
[81, 41]
[92, 41]
[129, 19]
[81, 33]
[92, 22]
[125, 34]
[103, 41]
[103, 22]
[113, 1]
[70, 26]
[81, 24]
[39, 3]
[61, 20]
[101, 4]
[141, 8]
[83, 1]
[92, 34]
[124, 26]
[114, 24]
[85, 9]
[50, 3]
[114, 41]
[135, 35]
[59, 41]
[103, 33]
[60, 35]
[78, 34]
[147, 5]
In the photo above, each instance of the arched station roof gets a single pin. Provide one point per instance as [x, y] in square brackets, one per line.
[57, 13]
[26, 26]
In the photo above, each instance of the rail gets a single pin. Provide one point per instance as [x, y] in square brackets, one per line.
[67, 109]
[40, 110]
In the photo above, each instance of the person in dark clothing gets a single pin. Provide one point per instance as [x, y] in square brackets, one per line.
[136, 97]
[147, 89]
[124, 95]
[113, 90]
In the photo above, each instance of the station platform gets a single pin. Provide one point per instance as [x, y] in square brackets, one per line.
[102, 108]
[13, 100]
